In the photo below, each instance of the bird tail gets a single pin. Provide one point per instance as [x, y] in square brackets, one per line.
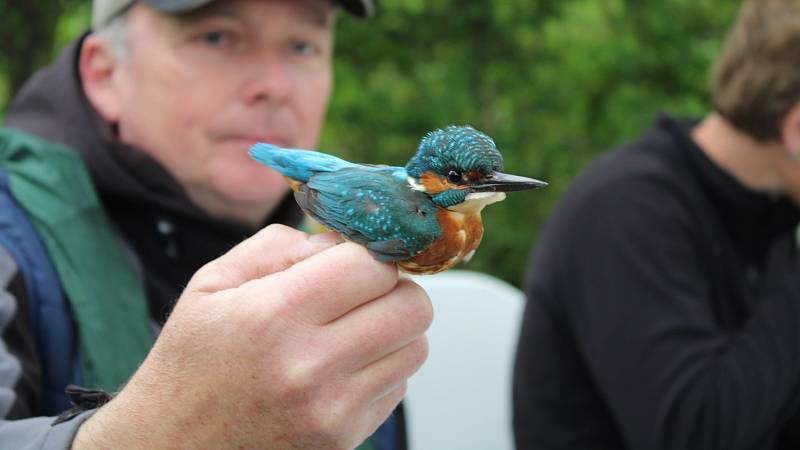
[296, 164]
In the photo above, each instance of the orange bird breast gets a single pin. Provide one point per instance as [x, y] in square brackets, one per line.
[461, 235]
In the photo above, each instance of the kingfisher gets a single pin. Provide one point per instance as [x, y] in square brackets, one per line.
[426, 216]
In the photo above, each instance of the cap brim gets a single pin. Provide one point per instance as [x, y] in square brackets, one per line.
[175, 6]
[360, 8]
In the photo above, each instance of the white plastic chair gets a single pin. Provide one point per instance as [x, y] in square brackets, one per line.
[461, 397]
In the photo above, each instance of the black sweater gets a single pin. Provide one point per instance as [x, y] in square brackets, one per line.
[663, 309]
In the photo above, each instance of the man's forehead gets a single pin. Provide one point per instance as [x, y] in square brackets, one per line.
[316, 12]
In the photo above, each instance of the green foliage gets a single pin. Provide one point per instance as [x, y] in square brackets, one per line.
[74, 21]
[28, 33]
[31, 34]
[555, 83]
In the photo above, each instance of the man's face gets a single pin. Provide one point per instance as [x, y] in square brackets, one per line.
[197, 90]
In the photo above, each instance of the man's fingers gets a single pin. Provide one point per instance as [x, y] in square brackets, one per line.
[383, 326]
[273, 249]
[384, 375]
[382, 408]
[331, 283]
[388, 403]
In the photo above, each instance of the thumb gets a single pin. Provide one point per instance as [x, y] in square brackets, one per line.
[273, 249]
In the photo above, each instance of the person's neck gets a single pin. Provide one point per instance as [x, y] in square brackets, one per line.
[753, 163]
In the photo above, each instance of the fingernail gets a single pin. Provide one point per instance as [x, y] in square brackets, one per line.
[328, 237]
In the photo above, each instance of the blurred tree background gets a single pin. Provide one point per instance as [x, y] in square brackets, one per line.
[554, 82]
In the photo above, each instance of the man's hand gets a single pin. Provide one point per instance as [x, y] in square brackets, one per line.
[286, 341]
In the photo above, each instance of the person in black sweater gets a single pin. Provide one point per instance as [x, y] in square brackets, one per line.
[664, 292]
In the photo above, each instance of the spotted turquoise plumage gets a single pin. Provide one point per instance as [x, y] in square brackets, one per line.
[455, 148]
[372, 208]
[370, 205]
[424, 216]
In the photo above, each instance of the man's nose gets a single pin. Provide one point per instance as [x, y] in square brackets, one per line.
[269, 79]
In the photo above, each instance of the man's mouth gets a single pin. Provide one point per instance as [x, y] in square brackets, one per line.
[248, 140]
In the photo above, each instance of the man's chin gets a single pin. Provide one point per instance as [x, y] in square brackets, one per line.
[246, 193]
[249, 212]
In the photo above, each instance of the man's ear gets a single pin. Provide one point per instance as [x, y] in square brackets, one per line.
[97, 66]
[790, 132]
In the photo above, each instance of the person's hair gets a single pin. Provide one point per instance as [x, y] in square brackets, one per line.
[757, 77]
[115, 34]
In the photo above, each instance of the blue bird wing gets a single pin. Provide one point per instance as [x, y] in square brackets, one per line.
[372, 207]
[297, 164]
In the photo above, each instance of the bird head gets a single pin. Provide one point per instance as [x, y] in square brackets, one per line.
[460, 168]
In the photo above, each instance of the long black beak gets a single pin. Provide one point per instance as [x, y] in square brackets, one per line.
[503, 182]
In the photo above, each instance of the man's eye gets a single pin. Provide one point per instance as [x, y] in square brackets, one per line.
[215, 37]
[304, 48]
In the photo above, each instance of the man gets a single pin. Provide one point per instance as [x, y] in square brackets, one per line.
[285, 341]
[664, 292]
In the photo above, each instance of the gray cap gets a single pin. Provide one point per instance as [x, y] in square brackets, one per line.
[103, 11]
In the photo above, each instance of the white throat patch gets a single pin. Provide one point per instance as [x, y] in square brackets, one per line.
[476, 201]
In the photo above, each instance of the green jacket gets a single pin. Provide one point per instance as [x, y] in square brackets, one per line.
[51, 184]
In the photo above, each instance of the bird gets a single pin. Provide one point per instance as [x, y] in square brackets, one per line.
[425, 217]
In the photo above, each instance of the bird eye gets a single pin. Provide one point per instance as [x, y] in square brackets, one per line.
[454, 176]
